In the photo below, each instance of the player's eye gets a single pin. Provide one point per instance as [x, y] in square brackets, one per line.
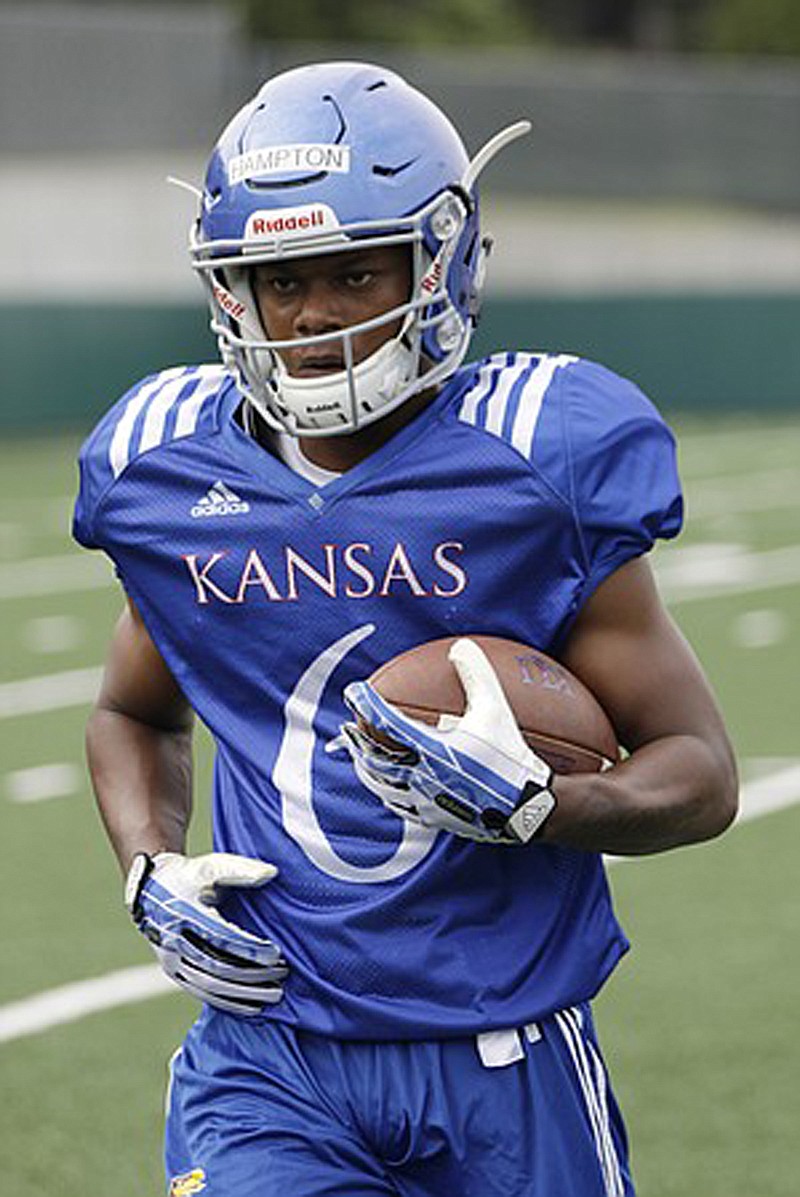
[280, 285]
[357, 280]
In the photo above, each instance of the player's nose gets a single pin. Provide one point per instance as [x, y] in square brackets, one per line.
[318, 310]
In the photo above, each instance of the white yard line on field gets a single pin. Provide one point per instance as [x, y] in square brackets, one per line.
[69, 1003]
[702, 449]
[772, 490]
[773, 791]
[51, 692]
[711, 571]
[33, 577]
[40, 783]
[51, 634]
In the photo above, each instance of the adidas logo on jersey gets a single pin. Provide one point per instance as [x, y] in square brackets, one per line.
[220, 500]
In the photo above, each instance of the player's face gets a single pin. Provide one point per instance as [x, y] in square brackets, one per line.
[325, 293]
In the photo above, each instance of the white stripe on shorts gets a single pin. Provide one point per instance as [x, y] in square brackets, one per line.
[591, 1077]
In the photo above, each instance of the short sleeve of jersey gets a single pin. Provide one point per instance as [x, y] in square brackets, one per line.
[96, 471]
[174, 403]
[617, 463]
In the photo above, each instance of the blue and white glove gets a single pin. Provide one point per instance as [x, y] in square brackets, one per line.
[172, 899]
[473, 775]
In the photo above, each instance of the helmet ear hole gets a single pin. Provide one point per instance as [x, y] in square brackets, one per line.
[468, 278]
[483, 252]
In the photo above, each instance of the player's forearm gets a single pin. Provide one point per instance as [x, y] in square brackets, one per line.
[673, 791]
[142, 778]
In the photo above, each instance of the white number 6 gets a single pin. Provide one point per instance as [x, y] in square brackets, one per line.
[292, 776]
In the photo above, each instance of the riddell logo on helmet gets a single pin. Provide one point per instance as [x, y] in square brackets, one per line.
[229, 303]
[433, 278]
[311, 218]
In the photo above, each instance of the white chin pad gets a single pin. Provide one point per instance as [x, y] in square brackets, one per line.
[347, 399]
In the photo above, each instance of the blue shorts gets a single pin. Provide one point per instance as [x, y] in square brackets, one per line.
[258, 1109]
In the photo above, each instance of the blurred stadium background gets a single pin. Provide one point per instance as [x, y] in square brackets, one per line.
[651, 222]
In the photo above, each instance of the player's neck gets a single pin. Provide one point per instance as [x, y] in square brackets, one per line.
[340, 453]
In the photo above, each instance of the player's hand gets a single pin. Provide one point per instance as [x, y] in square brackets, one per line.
[475, 776]
[172, 900]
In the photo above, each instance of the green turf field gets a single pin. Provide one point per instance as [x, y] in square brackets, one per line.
[700, 1022]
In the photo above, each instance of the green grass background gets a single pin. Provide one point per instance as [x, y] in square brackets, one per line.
[700, 1022]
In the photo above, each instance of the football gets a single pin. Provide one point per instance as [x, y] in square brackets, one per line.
[559, 716]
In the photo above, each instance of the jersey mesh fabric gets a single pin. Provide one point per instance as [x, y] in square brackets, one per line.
[498, 510]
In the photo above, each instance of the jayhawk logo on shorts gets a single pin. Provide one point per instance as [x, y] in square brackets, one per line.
[187, 1183]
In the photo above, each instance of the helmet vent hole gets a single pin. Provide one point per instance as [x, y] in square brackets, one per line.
[376, 86]
[389, 172]
[329, 99]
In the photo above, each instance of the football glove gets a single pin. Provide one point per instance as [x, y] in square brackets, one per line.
[473, 775]
[172, 899]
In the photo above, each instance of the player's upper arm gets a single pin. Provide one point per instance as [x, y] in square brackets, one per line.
[137, 682]
[628, 650]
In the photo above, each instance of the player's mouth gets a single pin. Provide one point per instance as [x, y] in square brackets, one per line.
[314, 365]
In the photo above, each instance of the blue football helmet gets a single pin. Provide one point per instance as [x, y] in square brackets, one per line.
[329, 158]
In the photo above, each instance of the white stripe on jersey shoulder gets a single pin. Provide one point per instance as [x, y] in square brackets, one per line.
[153, 401]
[506, 397]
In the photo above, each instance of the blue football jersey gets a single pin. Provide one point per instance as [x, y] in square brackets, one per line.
[498, 510]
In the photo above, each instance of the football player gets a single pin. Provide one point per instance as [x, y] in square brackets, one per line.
[396, 995]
